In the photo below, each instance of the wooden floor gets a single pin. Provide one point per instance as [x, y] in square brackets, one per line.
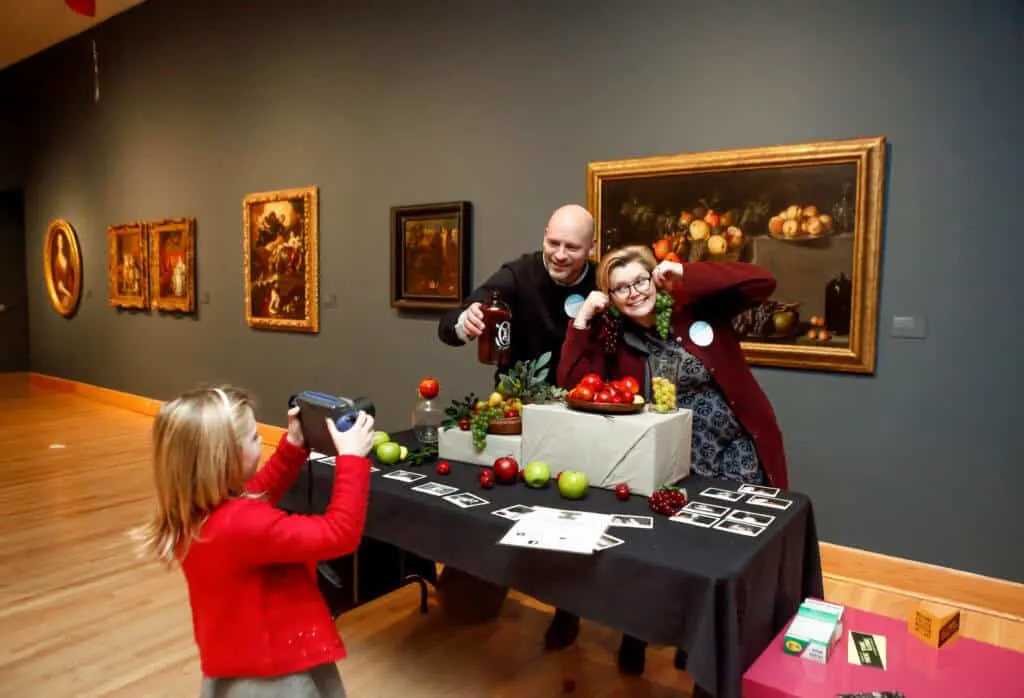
[81, 616]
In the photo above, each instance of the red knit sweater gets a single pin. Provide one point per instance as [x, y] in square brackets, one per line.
[256, 607]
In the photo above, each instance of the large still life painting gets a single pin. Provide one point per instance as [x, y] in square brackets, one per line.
[281, 259]
[430, 253]
[811, 214]
[172, 265]
[62, 267]
[128, 266]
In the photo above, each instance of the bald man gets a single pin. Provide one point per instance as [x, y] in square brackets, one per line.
[538, 287]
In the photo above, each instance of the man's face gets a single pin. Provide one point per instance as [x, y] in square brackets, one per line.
[566, 249]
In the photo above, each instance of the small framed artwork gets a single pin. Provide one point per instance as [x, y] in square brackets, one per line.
[172, 265]
[281, 253]
[430, 255]
[810, 213]
[62, 267]
[128, 265]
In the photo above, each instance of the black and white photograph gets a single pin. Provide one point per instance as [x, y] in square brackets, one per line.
[692, 518]
[759, 489]
[465, 500]
[435, 488]
[514, 512]
[726, 495]
[632, 521]
[404, 476]
[742, 529]
[709, 509]
[770, 502]
[750, 517]
[606, 541]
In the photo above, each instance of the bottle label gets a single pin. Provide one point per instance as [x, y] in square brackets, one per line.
[503, 335]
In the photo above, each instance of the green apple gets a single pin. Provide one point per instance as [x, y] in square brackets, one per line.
[389, 453]
[573, 485]
[381, 437]
[537, 474]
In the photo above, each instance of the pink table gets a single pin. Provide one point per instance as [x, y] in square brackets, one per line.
[959, 669]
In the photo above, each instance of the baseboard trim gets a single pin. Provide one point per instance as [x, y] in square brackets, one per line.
[945, 585]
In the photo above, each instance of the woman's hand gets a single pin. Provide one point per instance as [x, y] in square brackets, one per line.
[666, 274]
[295, 428]
[357, 440]
[596, 302]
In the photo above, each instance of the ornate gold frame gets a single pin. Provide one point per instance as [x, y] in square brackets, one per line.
[311, 319]
[118, 300]
[869, 155]
[187, 226]
[69, 308]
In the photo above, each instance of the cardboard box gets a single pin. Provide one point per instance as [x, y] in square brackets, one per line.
[457, 445]
[934, 624]
[815, 631]
[644, 450]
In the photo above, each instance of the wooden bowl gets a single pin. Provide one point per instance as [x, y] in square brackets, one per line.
[604, 407]
[506, 426]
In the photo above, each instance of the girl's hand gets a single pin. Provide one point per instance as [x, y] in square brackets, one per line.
[667, 273]
[596, 302]
[295, 428]
[357, 441]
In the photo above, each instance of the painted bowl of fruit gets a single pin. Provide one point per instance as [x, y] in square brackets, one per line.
[769, 320]
[800, 224]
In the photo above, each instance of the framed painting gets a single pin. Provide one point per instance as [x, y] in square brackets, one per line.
[128, 265]
[809, 213]
[62, 267]
[430, 255]
[172, 265]
[281, 258]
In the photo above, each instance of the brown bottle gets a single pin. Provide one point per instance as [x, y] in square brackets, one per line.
[837, 304]
[495, 342]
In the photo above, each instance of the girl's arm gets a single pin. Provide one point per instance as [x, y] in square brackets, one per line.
[723, 288]
[582, 353]
[260, 533]
[278, 474]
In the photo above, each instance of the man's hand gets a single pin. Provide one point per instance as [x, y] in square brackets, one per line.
[473, 321]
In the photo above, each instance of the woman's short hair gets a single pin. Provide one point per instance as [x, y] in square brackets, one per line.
[620, 257]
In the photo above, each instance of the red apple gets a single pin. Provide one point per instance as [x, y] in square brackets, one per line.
[622, 492]
[506, 470]
[486, 479]
[443, 468]
[464, 424]
[429, 388]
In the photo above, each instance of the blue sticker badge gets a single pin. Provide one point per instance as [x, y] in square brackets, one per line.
[573, 304]
[701, 333]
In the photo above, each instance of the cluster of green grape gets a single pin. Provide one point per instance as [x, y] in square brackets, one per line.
[663, 314]
[664, 394]
[478, 425]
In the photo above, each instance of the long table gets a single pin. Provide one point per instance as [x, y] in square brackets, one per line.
[719, 597]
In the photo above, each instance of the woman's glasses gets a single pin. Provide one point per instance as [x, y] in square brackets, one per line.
[641, 285]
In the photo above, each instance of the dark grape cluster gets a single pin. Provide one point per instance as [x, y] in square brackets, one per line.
[763, 317]
[478, 425]
[663, 314]
[609, 333]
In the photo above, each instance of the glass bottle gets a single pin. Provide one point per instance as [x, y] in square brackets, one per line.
[427, 416]
[837, 304]
[495, 342]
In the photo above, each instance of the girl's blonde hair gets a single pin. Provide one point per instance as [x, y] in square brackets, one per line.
[197, 465]
[620, 257]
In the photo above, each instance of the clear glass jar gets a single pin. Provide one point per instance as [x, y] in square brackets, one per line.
[664, 379]
[426, 420]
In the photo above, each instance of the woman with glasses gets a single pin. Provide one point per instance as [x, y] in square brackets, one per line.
[643, 309]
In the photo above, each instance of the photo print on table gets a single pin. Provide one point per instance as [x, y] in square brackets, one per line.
[514, 512]
[770, 502]
[709, 509]
[726, 495]
[606, 541]
[435, 488]
[758, 489]
[404, 476]
[465, 500]
[632, 521]
[742, 529]
[750, 517]
[692, 518]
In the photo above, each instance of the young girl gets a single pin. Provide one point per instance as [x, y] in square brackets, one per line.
[262, 628]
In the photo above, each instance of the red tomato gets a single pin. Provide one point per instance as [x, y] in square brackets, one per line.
[625, 397]
[630, 383]
[603, 396]
[584, 393]
[592, 381]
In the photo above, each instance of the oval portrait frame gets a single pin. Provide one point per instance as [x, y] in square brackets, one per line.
[70, 306]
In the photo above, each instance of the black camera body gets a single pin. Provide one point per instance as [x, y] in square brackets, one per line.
[316, 408]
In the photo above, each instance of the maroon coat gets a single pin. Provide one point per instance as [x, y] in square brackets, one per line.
[714, 292]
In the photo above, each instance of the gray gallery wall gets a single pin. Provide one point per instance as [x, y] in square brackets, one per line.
[503, 104]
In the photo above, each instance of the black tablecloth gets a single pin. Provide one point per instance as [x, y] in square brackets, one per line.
[719, 596]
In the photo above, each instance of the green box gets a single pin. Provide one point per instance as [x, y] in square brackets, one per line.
[815, 630]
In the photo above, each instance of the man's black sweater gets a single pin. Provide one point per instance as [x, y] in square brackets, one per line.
[537, 303]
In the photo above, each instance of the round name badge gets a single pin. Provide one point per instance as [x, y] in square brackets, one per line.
[573, 304]
[701, 333]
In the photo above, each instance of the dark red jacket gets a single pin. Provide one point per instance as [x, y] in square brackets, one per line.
[256, 607]
[714, 292]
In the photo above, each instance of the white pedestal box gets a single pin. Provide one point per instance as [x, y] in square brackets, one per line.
[455, 444]
[645, 450]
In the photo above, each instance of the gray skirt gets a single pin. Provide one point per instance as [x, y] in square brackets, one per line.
[323, 681]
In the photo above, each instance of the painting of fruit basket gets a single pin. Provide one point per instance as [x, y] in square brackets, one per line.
[809, 213]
